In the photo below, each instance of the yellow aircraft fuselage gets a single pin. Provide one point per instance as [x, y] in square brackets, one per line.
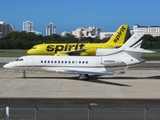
[51, 49]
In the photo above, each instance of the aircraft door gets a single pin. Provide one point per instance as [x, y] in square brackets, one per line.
[29, 64]
[101, 60]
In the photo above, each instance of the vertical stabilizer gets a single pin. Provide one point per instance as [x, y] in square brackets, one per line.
[120, 36]
[135, 40]
[132, 43]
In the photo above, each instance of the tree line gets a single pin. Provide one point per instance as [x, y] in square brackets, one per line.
[24, 40]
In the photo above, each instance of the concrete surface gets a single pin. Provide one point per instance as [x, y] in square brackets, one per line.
[135, 84]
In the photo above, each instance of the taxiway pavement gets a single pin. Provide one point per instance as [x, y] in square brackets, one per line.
[138, 88]
[136, 83]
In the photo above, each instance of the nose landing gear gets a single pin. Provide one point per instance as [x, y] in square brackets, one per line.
[24, 74]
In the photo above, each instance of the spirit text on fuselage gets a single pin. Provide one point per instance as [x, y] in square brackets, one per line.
[65, 47]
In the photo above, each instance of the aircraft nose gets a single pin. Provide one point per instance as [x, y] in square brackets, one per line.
[29, 51]
[6, 66]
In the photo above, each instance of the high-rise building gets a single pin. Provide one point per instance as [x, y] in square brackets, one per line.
[28, 26]
[50, 29]
[5, 28]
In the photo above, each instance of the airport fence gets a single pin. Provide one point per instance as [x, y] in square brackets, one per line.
[80, 113]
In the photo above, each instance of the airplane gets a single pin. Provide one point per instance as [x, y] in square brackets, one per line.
[81, 49]
[114, 61]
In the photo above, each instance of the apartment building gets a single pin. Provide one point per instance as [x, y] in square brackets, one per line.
[50, 29]
[28, 26]
[5, 28]
[87, 32]
[106, 34]
[151, 30]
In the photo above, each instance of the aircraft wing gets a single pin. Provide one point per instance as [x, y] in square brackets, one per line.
[73, 52]
[87, 72]
[78, 71]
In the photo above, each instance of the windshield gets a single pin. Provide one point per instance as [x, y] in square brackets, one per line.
[17, 59]
[33, 47]
[20, 59]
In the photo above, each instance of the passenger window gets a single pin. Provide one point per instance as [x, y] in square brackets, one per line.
[48, 61]
[51, 61]
[41, 61]
[44, 61]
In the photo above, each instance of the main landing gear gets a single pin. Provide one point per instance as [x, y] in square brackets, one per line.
[24, 74]
[83, 77]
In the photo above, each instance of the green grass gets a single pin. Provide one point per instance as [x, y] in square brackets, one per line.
[19, 52]
[12, 53]
[156, 54]
[151, 55]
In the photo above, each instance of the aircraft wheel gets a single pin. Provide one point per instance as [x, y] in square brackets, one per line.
[86, 76]
[83, 77]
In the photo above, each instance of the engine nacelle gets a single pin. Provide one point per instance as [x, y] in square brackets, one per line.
[84, 54]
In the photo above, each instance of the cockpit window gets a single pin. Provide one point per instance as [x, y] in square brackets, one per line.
[19, 59]
[34, 48]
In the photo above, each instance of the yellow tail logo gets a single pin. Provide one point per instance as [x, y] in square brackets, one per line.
[120, 36]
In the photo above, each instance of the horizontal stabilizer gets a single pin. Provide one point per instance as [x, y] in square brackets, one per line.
[140, 50]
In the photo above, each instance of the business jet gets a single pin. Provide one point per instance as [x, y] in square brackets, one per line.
[107, 62]
[81, 49]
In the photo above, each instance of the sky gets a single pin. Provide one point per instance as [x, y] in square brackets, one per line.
[68, 15]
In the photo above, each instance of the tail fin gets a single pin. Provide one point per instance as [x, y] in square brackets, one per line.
[135, 40]
[132, 43]
[132, 46]
[120, 36]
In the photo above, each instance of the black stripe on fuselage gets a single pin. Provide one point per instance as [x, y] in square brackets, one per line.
[115, 53]
[136, 42]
